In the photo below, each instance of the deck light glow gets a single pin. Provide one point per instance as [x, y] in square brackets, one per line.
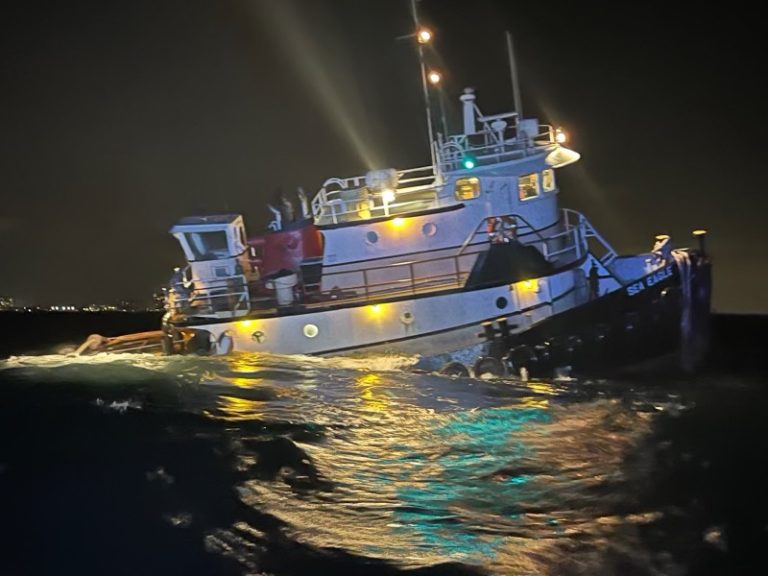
[560, 136]
[375, 309]
[468, 162]
[388, 196]
[434, 77]
[424, 35]
[530, 285]
[398, 222]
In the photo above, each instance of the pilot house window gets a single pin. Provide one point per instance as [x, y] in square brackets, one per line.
[528, 186]
[548, 180]
[467, 188]
[208, 245]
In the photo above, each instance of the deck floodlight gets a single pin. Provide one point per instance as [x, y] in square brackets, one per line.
[388, 195]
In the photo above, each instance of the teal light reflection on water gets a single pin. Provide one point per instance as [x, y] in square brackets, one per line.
[484, 442]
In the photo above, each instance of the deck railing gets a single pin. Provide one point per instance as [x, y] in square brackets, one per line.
[607, 253]
[559, 248]
[348, 199]
[491, 147]
[220, 298]
[234, 297]
[402, 278]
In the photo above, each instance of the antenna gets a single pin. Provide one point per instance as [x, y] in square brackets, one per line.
[513, 74]
[424, 88]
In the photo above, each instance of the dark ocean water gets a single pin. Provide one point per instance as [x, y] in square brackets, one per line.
[254, 464]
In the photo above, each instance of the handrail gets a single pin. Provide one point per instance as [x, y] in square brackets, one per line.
[334, 206]
[366, 272]
[395, 278]
[413, 281]
[590, 232]
[425, 174]
[483, 223]
[574, 233]
[496, 147]
[202, 299]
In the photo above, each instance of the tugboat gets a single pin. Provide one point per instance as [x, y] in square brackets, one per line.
[469, 263]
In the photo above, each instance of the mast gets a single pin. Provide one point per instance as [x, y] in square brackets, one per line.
[424, 88]
[513, 75]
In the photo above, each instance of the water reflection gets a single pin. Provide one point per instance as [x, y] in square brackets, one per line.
[415, 469]
[423, 469]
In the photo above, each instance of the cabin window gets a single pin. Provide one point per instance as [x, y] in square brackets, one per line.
[467, 188]
[528, 186]
[208, 245]
[548, 180]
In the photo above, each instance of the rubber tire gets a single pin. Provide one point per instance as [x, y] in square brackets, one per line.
[489, 365]
[455, 369]
[200, 343]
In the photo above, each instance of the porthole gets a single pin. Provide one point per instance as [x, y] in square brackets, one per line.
[310, 330]
[258, 336]
[501, 302]
[407, 318]
[371, 237]
[429, 229]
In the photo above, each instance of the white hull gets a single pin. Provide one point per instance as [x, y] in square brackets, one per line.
[427, 326]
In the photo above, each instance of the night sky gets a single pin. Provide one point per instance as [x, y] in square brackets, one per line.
[119, 117]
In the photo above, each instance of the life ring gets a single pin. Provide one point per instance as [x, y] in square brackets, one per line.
[494, 230]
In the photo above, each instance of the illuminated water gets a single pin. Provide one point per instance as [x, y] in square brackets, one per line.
[294, 465]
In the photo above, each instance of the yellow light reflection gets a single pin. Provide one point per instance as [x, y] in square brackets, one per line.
[534, 402]
[398, 222]
[375, 309]
[368, 380]
[373, 399]
[242, 363]
[541, 387]
[235, 409]
[530, 285]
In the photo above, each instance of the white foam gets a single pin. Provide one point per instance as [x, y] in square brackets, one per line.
[373, 363]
